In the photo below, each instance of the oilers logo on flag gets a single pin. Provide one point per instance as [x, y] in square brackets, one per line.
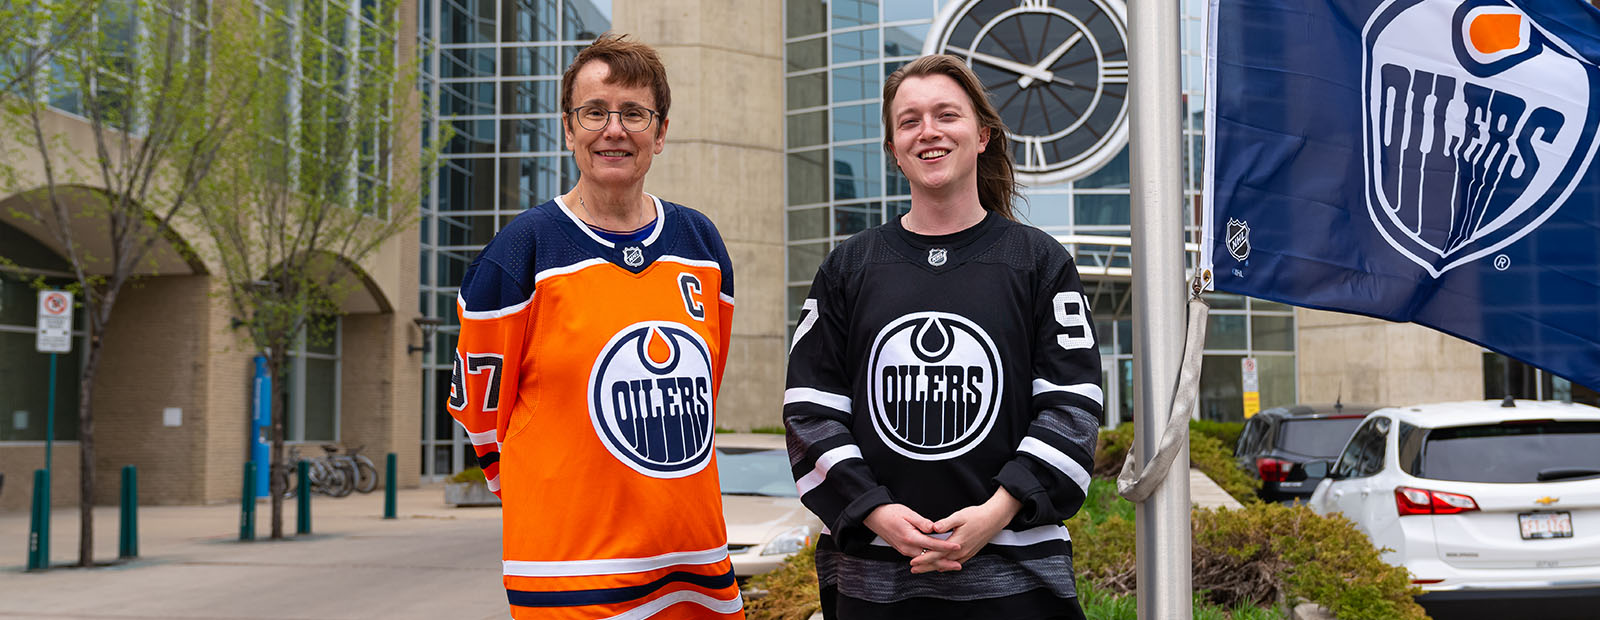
[650, 399]
[934, 385]
[1478, 125]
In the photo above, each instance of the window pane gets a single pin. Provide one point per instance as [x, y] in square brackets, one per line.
[544, 60]
[808, 129]
[24, 396]
[804, 258]
[466, 98]
[528, 181]
[855, 172]
[899, 10]
[854, 46]
[1272, 333]
[904, 40]
[443, 424]
[1225, 331]
[471, 137]
[847, 13]
[322, 380]
[797, 297]
[466, 22]
[806, 17]
[1046, 209]
[808, 90]
[856, 122]
[540, 97]
[1221, 391]
[853, 83]
[1115, 174]
[1103, 210]
[1275, 374]
[854, 218]
[809, 54]
[1269, 306]
[1224, 300]
[808, 223]
[808, 177]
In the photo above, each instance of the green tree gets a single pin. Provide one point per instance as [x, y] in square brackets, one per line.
[139, 75]
[320, 176]
[33, 31]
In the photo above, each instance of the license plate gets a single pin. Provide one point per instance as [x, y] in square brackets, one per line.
[1539, 525]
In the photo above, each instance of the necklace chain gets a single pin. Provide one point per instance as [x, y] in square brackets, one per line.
[590, 215]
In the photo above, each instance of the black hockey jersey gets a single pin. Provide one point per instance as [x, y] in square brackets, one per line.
[928, 371]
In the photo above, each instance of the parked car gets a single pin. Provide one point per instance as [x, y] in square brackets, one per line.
[1275, 442]
[1485, 505]
[766, 522]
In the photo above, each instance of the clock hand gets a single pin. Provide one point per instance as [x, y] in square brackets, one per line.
[1050, 59]
[1009, 65]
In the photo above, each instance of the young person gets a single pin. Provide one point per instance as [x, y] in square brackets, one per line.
[943, 390]
[594, 330]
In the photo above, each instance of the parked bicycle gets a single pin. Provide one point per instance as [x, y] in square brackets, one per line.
[333, 476]
[360, 469]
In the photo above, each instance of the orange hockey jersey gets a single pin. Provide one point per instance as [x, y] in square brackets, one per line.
[586, 375]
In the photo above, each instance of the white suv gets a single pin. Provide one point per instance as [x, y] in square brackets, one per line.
[1482, 503]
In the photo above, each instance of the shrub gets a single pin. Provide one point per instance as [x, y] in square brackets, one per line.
[791, 589]
[1207, 452]
[470, 474]
[1225, 432]
[1262, 555]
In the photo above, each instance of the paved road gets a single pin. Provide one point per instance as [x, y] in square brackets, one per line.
[435, 561]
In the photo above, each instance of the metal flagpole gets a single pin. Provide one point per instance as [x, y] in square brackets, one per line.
[1162, 521]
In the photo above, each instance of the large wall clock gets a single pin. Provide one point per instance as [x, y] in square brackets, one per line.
[1056, 69]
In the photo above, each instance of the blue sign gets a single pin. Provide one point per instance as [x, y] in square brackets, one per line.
[1414, 160]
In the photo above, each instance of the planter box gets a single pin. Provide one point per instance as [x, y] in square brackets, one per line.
[469, 494]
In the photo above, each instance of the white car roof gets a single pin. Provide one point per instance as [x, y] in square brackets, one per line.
[1468, 413]
[767, 441]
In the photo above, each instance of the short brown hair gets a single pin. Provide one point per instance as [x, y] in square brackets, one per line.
[632, 64]
[997, 179]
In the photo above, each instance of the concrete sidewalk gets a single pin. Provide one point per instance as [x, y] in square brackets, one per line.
[434, 561]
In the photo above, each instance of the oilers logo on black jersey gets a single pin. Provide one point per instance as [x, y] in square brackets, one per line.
[651, 399]
[933, 385]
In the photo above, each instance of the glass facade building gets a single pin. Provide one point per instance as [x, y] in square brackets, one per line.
[492, 73]
[840, 182]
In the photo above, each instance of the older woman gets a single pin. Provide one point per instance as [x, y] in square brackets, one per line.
[594, 329]
[943, 390]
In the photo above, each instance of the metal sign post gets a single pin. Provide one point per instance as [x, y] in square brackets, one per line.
[54, 336]
[1155, 154]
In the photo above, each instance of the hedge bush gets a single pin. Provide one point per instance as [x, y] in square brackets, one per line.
[1208, 452]
[470, 474]
[791, 589]
[1262, 555]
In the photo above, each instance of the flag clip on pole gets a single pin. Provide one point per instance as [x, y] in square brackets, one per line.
[1161, 522]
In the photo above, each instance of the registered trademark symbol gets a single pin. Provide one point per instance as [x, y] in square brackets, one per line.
[1502, 262]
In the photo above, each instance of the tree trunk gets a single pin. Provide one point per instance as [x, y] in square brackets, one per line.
[86, 452]
[275, 355]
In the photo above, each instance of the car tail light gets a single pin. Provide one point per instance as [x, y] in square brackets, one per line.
[1273, 470]
[1413, 501]
[1424, 582]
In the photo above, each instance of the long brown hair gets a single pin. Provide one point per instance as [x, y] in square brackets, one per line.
[997, 179]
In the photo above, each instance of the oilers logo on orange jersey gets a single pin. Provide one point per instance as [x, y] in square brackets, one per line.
[651, 399]
[587, 372]
[1479, 123]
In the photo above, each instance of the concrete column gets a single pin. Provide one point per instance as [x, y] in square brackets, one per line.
[1364, 360]
[724, 157]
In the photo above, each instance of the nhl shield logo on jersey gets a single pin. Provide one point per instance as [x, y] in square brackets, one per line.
[938, 256]
[1479, 122]
[934, 384]
[633, 256]
[650, 399]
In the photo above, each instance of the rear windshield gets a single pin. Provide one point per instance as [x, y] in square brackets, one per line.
[1323, 437]
[1517, 452]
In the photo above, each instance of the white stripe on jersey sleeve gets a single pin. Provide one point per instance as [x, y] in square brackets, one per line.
[692, 262]
[837, 402]
[1086, 390]
[1056, 459]
[482, 439]
[484, 315]
[819, 472]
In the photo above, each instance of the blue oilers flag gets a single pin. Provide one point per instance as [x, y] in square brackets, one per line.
[1430, 161]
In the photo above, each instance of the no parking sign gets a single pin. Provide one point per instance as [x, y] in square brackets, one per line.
[55, 322]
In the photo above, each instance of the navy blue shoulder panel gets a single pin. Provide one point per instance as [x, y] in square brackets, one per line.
[503, 273]
[690, 234]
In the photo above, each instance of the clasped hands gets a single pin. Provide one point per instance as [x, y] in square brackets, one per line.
[946, 544]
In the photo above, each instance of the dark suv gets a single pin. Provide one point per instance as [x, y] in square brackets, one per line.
[1275, 442]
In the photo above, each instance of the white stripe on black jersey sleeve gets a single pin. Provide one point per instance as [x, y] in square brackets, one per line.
[1050, 473]
[834, 481]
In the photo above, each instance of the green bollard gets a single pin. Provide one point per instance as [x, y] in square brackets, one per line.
[39, 527]
[247, 503]
[303, 499]
[390, 484]
[128, 546]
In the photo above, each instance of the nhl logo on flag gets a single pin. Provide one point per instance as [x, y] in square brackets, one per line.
[938, 256]
[633, 256]
[1238, 239]
[1478, 124]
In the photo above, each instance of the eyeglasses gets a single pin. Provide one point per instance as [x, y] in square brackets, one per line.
[595, 118]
